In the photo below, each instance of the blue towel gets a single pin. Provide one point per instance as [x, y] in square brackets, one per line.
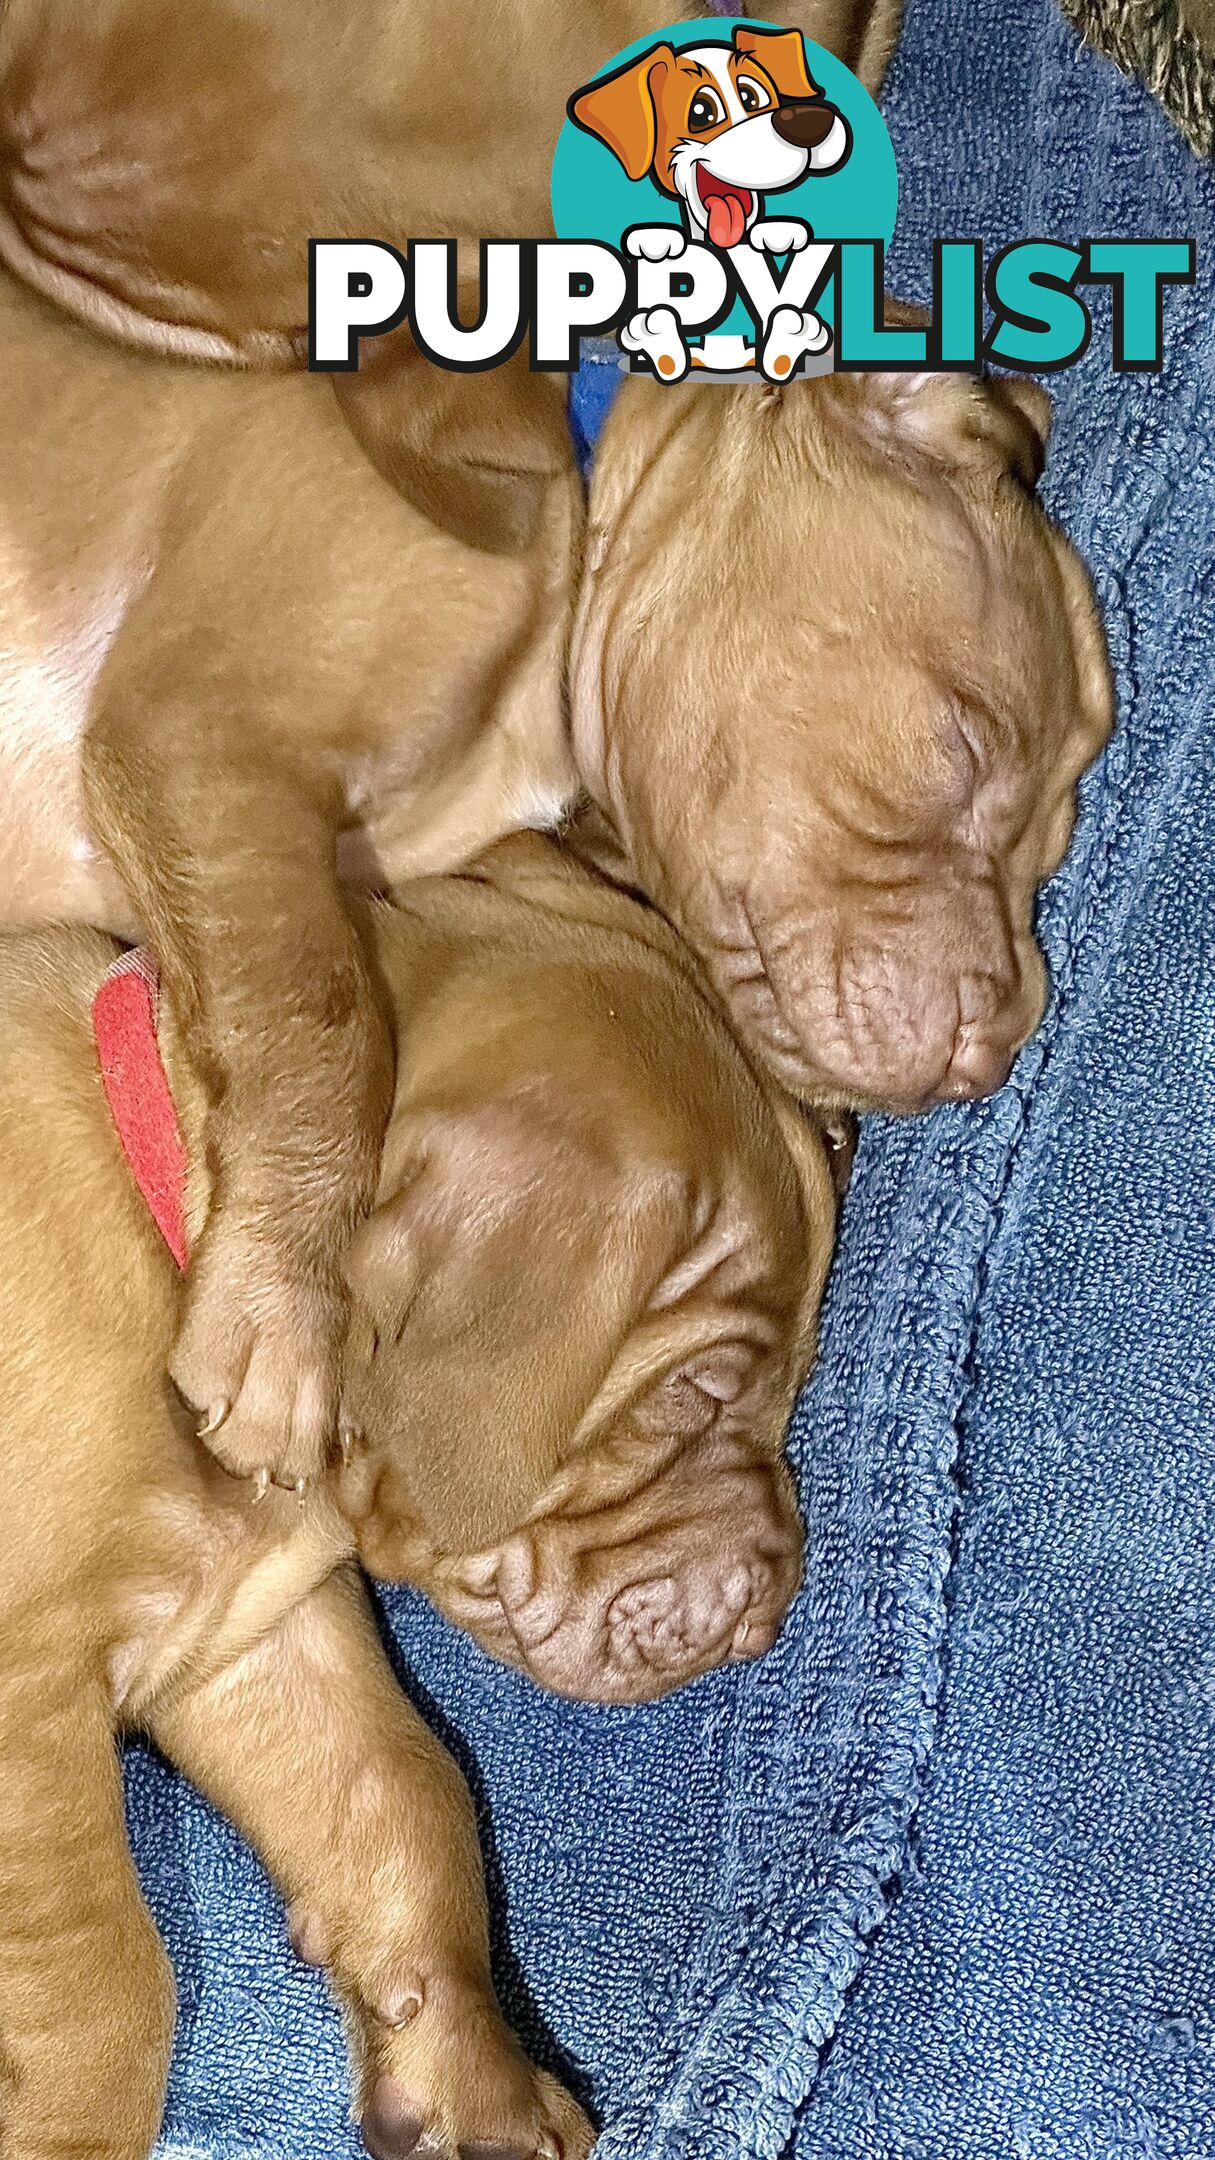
[984, 1743]
[1045, 1988]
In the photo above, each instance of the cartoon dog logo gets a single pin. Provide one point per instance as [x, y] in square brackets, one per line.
[718, 127]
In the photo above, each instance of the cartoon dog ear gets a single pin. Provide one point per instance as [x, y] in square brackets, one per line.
[782, 55]
[475, 453]
[621, 111]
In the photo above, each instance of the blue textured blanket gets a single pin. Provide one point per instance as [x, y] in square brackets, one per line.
[987, 1736]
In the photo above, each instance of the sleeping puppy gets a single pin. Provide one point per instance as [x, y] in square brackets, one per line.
[834, 678]
[238, 669]
[583, 1304]
[162, 169]
[628, 1363]
[242, 622]
[841, 761]
[837, 725]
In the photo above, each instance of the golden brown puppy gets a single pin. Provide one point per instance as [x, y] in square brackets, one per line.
[834, 678]
[228, 649]
[837, 724]
[218, 623]
[162, 168]
[583, 1304]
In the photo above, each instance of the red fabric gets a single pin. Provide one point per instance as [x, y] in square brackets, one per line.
[124, 1029]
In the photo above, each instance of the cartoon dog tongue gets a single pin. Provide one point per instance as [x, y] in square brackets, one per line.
[726, 209]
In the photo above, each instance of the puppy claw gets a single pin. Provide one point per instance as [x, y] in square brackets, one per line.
[258, 1354]
[348, 1440]
[261, 1486]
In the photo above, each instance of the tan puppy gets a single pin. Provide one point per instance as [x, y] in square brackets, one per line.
[837, 723]
[834, 679]
[163, 168]
[228, 649]
[217, 621]
[838, 728]
[583, 1305]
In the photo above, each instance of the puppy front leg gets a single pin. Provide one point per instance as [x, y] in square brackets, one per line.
[310, 1747]
[229, 860]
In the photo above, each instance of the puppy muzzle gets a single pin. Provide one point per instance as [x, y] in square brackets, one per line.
[627, 1603]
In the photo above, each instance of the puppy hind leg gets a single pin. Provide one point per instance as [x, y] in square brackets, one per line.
[86, 1989]
[364, 1821]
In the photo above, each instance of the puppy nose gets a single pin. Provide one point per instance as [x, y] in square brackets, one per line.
[806, 125]
[980, 1064]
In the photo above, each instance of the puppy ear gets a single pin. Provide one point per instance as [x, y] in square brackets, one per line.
[620, 109]
[485, 1304]
[1017, 422]
[961, 420]
[782, 55]
[474, 453]
[861, 33]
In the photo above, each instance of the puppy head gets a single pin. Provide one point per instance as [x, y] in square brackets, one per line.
[835, 678]
[717, 125]
[582, 1308]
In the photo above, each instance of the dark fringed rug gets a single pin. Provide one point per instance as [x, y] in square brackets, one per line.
[1170, 44]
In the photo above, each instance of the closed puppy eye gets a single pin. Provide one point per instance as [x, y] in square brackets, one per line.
[705, 111]
[753, 96]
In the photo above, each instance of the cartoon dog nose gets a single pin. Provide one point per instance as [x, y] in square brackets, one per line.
[805, 125]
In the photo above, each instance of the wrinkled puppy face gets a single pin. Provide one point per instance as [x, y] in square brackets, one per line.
[835, 678]
[582, 1310]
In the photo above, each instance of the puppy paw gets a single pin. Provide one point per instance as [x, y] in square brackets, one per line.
[656, 335]
[258, 1357]
[452, 2083]
[656, 243]
[793, 334]
[780, 236]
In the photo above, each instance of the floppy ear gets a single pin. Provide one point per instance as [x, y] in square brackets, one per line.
[861, 33]
[961, 420]
[782, 55]
[620, 109]
[486, 1303]
[1017, 418]
[474, 453]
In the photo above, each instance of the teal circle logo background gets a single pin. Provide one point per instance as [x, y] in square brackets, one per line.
[594, 199]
